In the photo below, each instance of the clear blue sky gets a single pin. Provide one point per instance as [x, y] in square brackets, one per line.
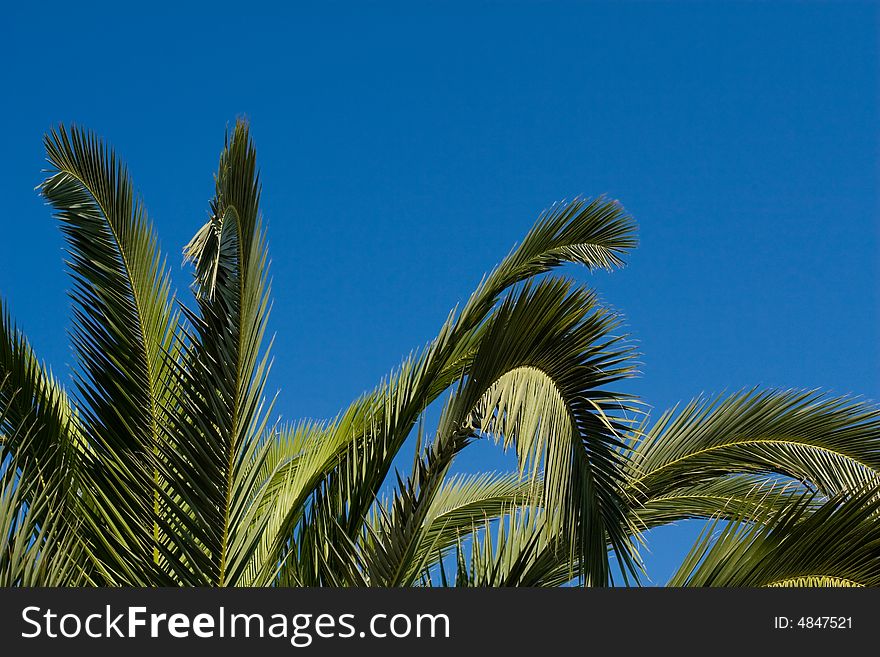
[404, 150]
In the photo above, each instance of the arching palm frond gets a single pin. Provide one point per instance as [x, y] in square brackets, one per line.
[737, 496]
[37, 422]
[830, 443]
[595, 234]
[836, 544]
[537, 382]
[124, 326]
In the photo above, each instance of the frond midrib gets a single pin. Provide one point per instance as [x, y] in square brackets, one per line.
[237, 403]
[740, 443]
[145, 342]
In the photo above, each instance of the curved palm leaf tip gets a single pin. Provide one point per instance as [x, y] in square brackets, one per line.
[490, 356]
[161, 467]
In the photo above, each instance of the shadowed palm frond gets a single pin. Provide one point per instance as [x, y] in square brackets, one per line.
[220, 435]
[39, 543]
[834, 544]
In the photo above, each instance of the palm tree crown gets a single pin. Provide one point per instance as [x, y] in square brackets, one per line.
[162, 465]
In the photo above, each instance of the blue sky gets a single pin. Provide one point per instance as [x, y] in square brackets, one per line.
[404, 149]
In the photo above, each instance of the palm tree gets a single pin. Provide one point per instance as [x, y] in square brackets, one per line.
[162, 465]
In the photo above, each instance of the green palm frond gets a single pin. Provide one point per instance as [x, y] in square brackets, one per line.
[516, 551]
[218, 436]
[162, 466]
[38, 423]
[596, 233]
[538, 381]
[551, 402]
[39, 545]
[834, 544]
[298, 458]
[461, 506]
[372, 431]
[540, 385]
[389, 553]
[731, 497]
[830, 443]
[465, 500]
[124, 326]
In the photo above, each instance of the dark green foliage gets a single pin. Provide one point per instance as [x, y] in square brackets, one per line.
[161, 466]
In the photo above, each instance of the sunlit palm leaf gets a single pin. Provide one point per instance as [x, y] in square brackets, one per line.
[123, 330]
[833, 444]
[464, 502]
[731, 497]
[517, 551]
[38, 425]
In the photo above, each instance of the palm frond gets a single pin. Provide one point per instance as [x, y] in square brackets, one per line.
[537, 382]
[123, 329]
[738, 496]
[298, 458]
[218, 438]
[540, 385]
[38, 423]
[595, 233]
[372, 431]
[39, 546]
[836, 544]
[464, 500]
[516, 551]
[461, 506]
[830, 443]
